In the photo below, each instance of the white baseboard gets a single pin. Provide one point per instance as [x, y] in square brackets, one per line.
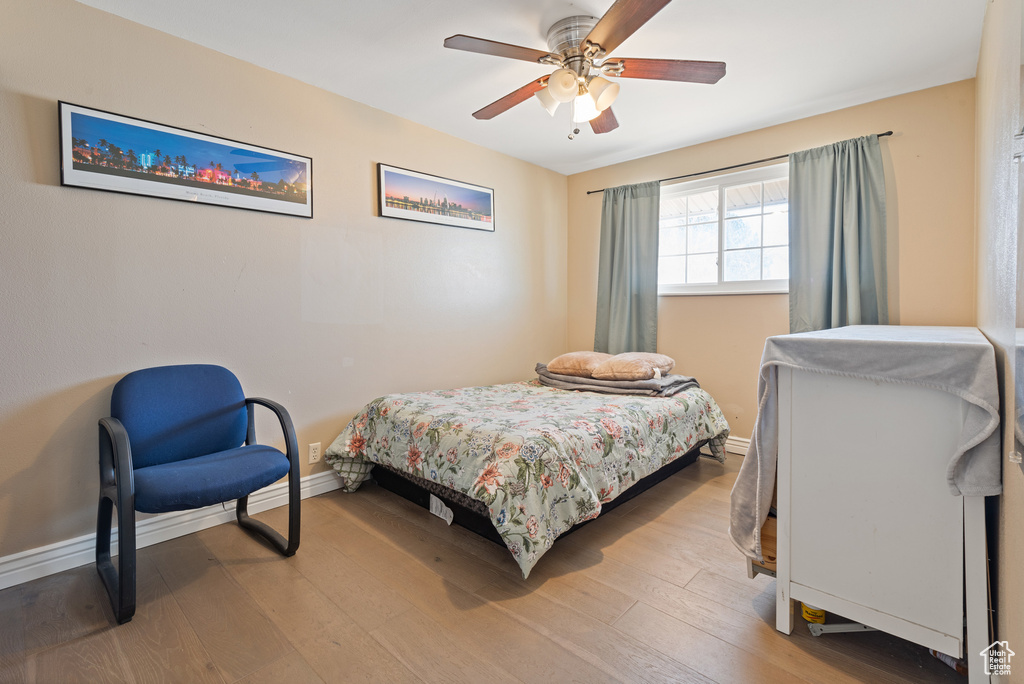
[733, 445]
[71, 553]
[736, 445]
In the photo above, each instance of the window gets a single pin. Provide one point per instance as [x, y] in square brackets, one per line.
[726, 234]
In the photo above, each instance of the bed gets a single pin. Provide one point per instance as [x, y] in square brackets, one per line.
[536, 460]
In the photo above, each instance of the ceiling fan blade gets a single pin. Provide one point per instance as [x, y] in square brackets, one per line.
[491, 47]
[511, 100]
[622, 20]
[691, 71]
[605, 122]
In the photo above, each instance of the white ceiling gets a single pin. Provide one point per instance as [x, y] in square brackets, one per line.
[786, 59]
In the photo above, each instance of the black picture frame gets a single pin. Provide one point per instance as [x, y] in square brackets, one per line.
[433, 199]
[102, 150]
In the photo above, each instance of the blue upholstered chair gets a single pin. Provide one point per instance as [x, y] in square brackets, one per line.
[183, 437]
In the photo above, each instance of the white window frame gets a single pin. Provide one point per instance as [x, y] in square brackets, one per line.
[723, 287]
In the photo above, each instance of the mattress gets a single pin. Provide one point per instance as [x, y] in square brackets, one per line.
[540, 459]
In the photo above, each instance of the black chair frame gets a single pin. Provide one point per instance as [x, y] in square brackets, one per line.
[117, 492]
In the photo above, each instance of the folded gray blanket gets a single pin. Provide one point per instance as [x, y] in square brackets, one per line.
[665, 386]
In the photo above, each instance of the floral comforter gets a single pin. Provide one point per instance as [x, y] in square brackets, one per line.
[541, 459]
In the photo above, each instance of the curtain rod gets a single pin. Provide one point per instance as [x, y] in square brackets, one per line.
[725, 168]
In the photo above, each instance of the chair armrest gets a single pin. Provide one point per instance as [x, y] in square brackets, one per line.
[117, 492]
[283, 417]
[289, 547]
[115, 457]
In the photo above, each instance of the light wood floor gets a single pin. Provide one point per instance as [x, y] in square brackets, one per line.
[381, 591]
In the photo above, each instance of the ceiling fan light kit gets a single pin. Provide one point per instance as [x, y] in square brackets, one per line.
[578, 47]
[589, 97]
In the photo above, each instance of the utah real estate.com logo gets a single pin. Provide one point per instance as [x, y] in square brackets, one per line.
[997, 658]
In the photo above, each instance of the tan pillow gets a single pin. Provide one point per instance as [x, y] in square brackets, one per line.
[581, 363]
[634, 366]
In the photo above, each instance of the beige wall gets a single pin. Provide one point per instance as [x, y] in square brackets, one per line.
[998, 118]
[322, 315]
[930, 187]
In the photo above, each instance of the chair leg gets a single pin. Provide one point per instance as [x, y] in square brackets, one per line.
[284, 547]
[120, 582]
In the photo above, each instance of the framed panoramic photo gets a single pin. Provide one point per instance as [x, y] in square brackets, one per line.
[106, 151]
[418, 196]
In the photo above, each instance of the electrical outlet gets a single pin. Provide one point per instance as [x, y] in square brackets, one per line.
[314, 452]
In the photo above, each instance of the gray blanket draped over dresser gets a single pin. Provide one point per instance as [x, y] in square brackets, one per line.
[959, 361]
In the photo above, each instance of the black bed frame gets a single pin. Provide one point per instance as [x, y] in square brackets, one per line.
[482, 525]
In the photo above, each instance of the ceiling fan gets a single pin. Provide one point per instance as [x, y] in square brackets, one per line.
[578, 47]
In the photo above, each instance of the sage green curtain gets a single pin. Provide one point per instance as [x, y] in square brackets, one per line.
[837, 265]
[627, 280]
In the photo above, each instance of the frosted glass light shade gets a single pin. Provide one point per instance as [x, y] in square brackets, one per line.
[604, 92]
[549, 103]
[562, 85]
[584, 108]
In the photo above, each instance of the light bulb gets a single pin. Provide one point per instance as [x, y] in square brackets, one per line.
[584, 108]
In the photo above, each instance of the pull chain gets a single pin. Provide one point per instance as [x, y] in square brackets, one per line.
[573, 129]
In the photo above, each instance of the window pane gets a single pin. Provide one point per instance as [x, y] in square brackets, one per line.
[776, 194]
[671, 270]
[703, 206]
[743, 200]
[703, 268]
[730, 231]
[670, 221]
[672, 241]
[743, 232]
[703, 238]
[776, 263]
[743, 265]
[672, 207]
[776, 228]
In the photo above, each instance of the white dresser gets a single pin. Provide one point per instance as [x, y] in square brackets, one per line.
[867, 525]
